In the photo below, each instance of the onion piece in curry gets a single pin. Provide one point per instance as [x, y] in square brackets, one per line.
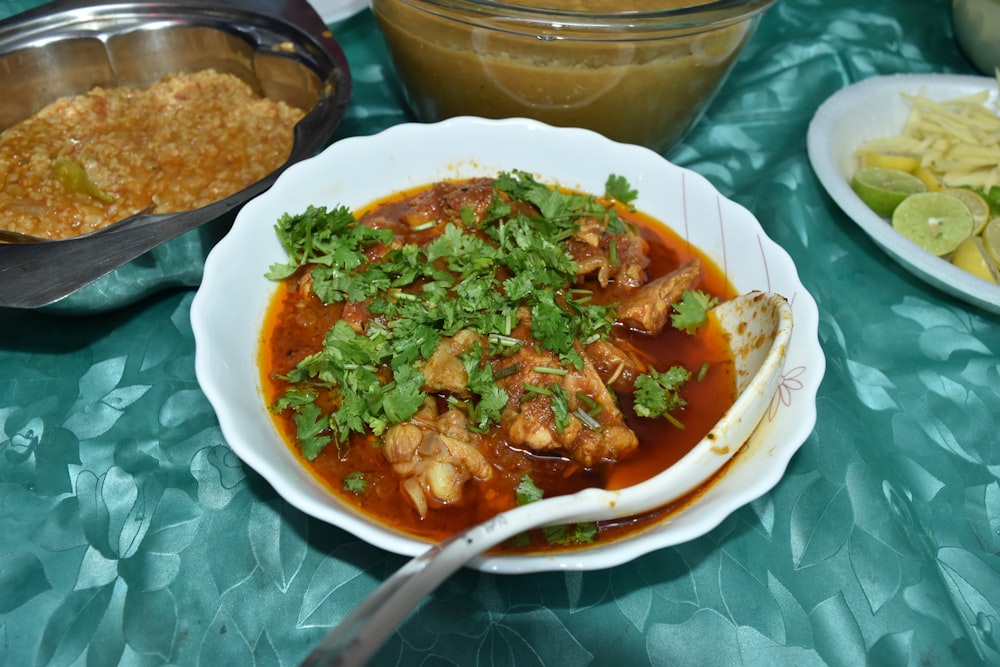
[461, 348]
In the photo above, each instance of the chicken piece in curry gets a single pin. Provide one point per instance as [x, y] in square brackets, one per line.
[453, 351]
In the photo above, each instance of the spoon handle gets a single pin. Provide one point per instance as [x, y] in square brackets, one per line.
[362, 633]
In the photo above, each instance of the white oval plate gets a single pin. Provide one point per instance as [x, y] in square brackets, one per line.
[228, 310]
[875, 108]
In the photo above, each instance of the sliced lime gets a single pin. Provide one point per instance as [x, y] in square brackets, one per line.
[933, 220]
[977, 204]
[882, 189]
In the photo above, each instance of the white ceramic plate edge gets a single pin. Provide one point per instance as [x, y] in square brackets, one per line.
[705, 213]
[875, 108]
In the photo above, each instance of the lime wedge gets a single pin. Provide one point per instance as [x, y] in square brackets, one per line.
[978, 206]
[970, 255]
[882, 189]
[991, 240]
[933, 220]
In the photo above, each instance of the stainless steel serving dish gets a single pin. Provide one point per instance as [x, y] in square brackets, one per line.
[281, 47]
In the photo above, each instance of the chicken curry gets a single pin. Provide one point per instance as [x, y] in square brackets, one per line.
[453, 351]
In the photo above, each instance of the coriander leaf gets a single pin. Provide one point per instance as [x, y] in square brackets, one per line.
[402, 397]
[520, 540]
[294, 397]
[334, 285]
[327, 238]
[310, 423]
[617, 187]
[574, 533]
[592, 321]
[557, 534]
[518, 286]
[551, 325]
[560, 407]
[497, 209]
[492, 399]
[692, 311]
[615, 225]
[355, 483]
[475, 275]
[468, 215]
[585, 533]
[554, 204]
[526, 492]
[656, 394]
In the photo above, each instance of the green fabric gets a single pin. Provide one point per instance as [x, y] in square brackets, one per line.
[130, 534]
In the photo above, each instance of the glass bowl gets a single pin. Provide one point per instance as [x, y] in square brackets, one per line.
[634, 73]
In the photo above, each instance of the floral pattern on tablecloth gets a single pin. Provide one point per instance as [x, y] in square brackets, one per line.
[130, 534]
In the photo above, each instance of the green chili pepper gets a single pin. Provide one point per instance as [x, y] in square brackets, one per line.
[72, 175]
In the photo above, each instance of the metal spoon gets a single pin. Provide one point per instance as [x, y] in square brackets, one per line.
[759, 367]
[360, 635]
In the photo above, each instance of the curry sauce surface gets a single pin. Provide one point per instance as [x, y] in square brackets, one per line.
[296, 324]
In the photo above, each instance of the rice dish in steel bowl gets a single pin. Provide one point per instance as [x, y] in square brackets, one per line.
[175, 114]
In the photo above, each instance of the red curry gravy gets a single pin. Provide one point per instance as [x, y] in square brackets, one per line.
[297, 322]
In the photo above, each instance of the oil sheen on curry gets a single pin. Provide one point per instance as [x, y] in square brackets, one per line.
[456, 350]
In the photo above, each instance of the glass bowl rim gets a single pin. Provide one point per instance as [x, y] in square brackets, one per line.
[496, 13]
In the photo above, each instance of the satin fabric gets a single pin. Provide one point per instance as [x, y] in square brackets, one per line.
[130, 534]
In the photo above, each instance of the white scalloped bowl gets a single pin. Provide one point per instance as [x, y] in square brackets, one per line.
[228, 310]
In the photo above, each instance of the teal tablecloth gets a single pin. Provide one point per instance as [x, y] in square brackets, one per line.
[130, 534]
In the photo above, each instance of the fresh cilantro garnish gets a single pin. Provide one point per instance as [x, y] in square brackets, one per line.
[992, 197]
[480, 273]
[310, 426]
[617, 187]
[557, 207]
[351, 363]
[324, 237]
[467, 215]
[526, 491]
[552, 325]
[657, 394]
[575, 533]
[559, 535]
[692, 311]
[560, 407]
[355, 483]
[492, 399]
[402, 397]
